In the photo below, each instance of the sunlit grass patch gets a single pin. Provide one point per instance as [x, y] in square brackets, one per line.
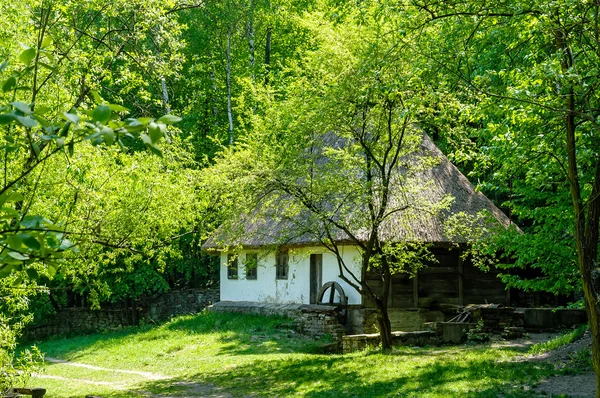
[559, 341]
[263, 356]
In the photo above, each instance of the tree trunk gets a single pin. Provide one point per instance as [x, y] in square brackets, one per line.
[586, 231]
[268, 54]
[593, 310]
[228, 71]
[385, 326]
[251, 37]
[165, 95]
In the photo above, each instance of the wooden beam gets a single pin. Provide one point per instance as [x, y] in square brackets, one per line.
[440, 270]
[390, 301]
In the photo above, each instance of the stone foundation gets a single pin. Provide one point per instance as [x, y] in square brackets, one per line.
[154, 309]
[551, 318]
[312, 320]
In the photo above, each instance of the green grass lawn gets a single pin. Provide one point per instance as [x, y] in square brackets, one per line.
[253, 355]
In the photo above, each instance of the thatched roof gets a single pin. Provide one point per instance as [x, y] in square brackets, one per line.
[267, 227]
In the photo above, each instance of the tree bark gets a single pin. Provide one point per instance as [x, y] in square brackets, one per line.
[228, 78]
[385, 326]
[268, 54]
[586, 231]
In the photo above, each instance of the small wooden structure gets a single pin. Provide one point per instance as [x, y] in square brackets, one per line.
[451, 280]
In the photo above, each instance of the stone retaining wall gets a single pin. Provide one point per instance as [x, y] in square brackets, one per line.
[154, 309]
[313, 320]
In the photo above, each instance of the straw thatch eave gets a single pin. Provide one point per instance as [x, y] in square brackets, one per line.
[267, 228]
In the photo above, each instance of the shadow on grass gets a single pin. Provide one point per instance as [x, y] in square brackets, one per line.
[361, 376]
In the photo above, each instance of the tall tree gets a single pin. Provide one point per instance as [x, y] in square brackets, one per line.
[532, 66]
[339, 156]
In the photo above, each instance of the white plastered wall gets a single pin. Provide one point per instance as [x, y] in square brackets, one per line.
[296, 289]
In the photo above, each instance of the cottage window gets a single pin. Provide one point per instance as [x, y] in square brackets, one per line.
[232, 266]
[251, 265]
[282, 265]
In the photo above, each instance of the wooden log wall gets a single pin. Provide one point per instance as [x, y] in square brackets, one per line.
[449, 281]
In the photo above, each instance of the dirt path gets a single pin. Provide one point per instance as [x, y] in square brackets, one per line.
[575, 386]
[189, 389]
[146, 375]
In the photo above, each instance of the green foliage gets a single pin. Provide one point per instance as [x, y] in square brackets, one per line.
[478, 334]
[16, 366]
[560, 341]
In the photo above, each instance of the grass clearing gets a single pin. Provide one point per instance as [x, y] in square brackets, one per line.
[254, 355]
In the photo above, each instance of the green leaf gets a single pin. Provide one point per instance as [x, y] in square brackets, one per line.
[3, 66]
[142, 120]
[10, 197]
[32, 221]
[5, 270]
[118, 108]
[101, 113]
[26, 121]
[32, 273]
[23, 107]
[146, 139]
[169, 119]
[155, 132]
[108, 135]
[27, 56]
[71, 148]
[45, 65]
[72, 117]
[60, 142]
[97, 97]
[30, 241]
[155, 150]
[148, 142]
[41, 110]
[14, 242]
[18, 256]
[9, 84]
[47, 41]
[6, 118]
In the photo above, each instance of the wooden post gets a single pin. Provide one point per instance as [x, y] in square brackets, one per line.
[391, 295]
[416, 290]
[461, 296]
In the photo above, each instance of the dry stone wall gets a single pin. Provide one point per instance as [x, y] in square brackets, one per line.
[153, 309]
[312, 320]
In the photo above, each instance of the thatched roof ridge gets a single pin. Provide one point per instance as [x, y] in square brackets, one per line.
[266, 228]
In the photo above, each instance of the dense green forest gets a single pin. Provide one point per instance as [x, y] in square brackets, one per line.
[130, 130]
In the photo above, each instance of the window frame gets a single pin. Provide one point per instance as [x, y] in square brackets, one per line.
[282, 265]
[253, 275]
[232, 267]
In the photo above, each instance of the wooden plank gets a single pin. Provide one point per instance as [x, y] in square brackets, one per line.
[483, 284]
[439, 270]
[416, 291]
[438, 283]
[391, 293]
